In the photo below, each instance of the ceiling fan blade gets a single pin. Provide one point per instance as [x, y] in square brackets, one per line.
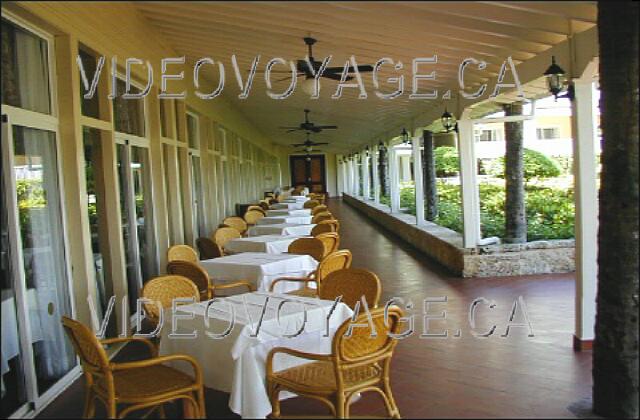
[319, 144]
[288, 77]
[297, 144]
[365, 68]
[293, 129]
[326, 127]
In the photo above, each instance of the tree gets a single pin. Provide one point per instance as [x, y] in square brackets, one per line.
[515, 212]
[429, 175]
[615, 352]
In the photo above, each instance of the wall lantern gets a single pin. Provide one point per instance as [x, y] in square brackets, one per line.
[405, 137]
[449, 122]
[556, 81]
[381, 145]
[366, 151]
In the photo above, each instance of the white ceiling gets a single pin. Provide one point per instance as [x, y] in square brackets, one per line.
[453, 31]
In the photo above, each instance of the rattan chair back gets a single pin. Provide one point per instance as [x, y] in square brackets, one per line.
[92, 355]
[193, 272]
[163, 290]
[208, 249]
[321, 228]
[307, 246]
[237, 223]
[224, 234]
[333, 262]
[320, 208]
[264, 205]
[331, 242]
[252, 216]
[367, 342]
[182, 253]
[256, 208]
[352, 284]
[322, 216]
[309, 204]
[334, 222]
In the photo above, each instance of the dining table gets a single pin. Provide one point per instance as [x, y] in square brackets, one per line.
[288, 205]
[274, 220]
[271, 244]
[231, 337]
[260, 269]
[287, 212]
[281, 229]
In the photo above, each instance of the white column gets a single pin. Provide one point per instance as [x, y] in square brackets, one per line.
[356, 178]
[417, 177]
[376, 176]
[365, 176]
[394, 189]
[406, 168]
[586, 202]
[350, 177]
[469, 184]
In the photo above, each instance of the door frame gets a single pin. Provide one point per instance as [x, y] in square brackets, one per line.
[323, 157]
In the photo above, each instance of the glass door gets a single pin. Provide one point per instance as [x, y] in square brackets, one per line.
[36, 354]
[138, 236]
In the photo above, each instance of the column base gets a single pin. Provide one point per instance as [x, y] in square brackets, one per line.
[581, 345]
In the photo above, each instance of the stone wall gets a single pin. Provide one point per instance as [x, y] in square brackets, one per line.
[445, 246]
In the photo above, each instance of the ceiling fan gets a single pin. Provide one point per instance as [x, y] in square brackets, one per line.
[334, 73]
[308, 146]
[308, 126]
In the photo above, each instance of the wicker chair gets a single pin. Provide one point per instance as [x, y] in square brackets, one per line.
[332, 262]
[358, 362]
[141, 385]
[331, 242]
[252, 216]
[321, 228]
[256, 208]
[352, 284]
[334, 222]
[200, 277]
[163, 290]
[182, 253]
[322, 216]
[319, 209]
[224, 234]
[308, 246]
[208, 249]
[264, 205]
[310, 204]
[236, 222]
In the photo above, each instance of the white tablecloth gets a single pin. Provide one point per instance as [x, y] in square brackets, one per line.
[287, 206]
[286, 212]
[271, 244]
[275, 220]
[260, 269]
[237, 362]
[280, 229]
[296, 199]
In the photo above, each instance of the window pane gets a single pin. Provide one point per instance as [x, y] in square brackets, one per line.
[128, 113]
[192, 131]
[98, 223]
[165, 112]
[35, 169]
[144, 212]
[90, 107]
[25, 69]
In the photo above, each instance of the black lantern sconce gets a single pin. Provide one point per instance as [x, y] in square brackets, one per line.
[557, 82]
[366, 151]
[405, 137]
[449, 122]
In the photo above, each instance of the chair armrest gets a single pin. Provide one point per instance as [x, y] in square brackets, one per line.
[159, 360]
[152, 347]
[246, 284]
[295, 353]
[304, 280]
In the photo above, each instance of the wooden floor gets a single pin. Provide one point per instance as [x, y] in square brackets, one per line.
[513, 376]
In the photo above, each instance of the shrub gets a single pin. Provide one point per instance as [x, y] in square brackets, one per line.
[536, 165]
[446, 160]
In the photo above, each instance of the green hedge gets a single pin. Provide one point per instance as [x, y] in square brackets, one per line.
[446, 161]
[536, 165]
[550, 211]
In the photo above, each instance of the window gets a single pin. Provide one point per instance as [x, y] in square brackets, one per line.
[192, 131]
[165, 115]
[128, 114]
[25, 69]
[90, 107]
[548, 133]
[487, 135]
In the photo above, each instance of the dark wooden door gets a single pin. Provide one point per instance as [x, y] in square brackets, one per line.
[308, 171]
